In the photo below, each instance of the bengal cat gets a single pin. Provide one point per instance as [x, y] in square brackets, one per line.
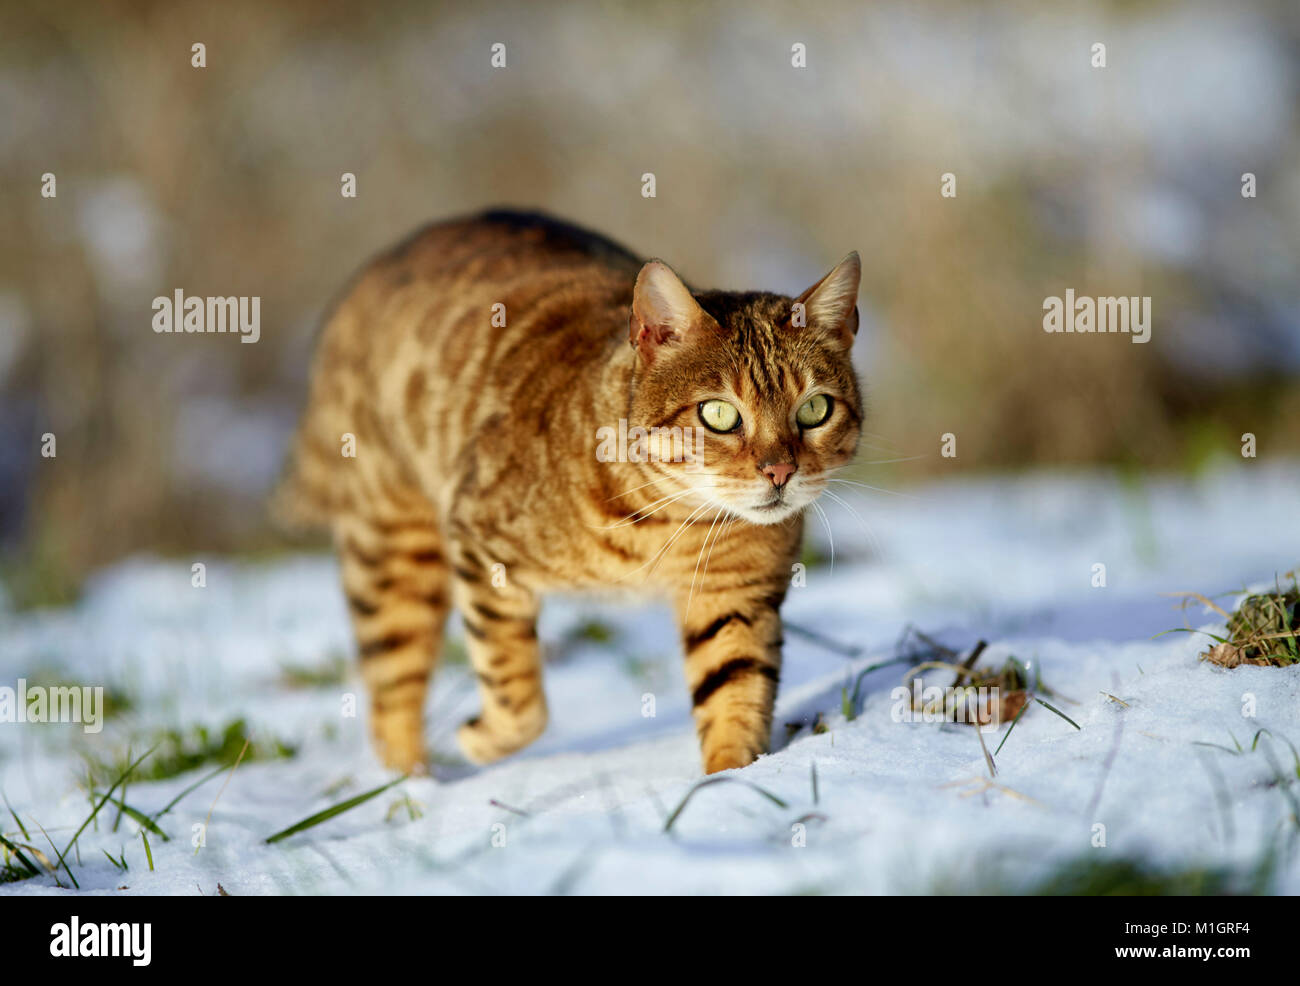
[459, 396]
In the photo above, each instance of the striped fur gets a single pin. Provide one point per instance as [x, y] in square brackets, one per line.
[476, 481]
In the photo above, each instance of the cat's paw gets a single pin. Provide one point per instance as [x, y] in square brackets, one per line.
[483, 741]
[402, 749]
[413, 762]
[478, 745]
[727, 757]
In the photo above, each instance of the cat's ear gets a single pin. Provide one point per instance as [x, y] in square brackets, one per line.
[663, 311]
[831, 305]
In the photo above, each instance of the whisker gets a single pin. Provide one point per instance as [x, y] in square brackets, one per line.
[634, 489]
[689, 520]
[885, 462]
[691, 595]
[641, 513]
[866, 527]
[731, 522]
[865, 486]
[829, 536]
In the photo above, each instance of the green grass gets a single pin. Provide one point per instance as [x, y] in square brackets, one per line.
[333, 672]
[39, 577]
[1266, 626]
[180, 751]
[94, 814]
[116, 701]
[14, 863]
[1087, 877]
[1264, 629]
[708, 782]
[311, 821]
[1100, 874]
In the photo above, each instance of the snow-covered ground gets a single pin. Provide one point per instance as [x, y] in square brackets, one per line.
[899, 806]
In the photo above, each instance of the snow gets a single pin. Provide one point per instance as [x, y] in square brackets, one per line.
[902, 807]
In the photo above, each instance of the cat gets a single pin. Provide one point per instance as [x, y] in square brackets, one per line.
[449, 442]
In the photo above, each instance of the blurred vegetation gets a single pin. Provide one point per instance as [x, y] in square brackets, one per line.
[116, 700]
[177, 751]
[1103, 876]
[225, 180]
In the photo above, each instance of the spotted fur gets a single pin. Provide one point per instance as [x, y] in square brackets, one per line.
[476, 481]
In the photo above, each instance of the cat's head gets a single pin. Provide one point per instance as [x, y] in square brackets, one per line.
[763, 382]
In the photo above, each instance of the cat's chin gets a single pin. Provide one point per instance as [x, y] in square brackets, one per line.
[776, 513]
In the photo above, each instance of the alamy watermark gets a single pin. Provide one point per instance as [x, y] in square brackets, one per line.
[60, 703]
[640, 444]
[1098, 315]
[968, 704]
[103, 939]
[242, 315]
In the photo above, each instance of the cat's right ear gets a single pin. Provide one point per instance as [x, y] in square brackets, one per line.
[831, 305]
[663, 311]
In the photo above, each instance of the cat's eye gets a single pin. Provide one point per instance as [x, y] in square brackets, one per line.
[719, 416]
[814, 411]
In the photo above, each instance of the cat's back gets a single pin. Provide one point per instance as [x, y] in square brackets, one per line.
[483, 277]
[497, 249]
[514, 307]
[500, 238]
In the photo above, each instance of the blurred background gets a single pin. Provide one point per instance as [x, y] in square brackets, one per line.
[225, 180]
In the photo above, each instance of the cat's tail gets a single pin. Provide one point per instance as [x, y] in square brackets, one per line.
[302, 501]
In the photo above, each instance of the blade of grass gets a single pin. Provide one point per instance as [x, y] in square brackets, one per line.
[238, 760]
[18, 855]
[835, 646]
[1203, 600]
[1284, 611]
[988, 760]
[141, 817]
[849, 701]
[719, 780]
[1217, 746]
[1058, 712]
[1011, 727]
[1283, 785]
[117, 820]
[54, 870]
[1212, 636]
[189, 790]
[17, 821]
[120, 778]
[1295, 754]
[324, 816]
[148, 853]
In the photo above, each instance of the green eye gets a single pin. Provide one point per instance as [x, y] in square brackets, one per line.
[719, 416]
[814, 412]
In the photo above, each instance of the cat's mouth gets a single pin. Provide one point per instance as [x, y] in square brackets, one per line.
[775, 505]
[763, 504]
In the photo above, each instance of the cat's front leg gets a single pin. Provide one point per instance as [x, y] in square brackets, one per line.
[501, 636]
[732, 640]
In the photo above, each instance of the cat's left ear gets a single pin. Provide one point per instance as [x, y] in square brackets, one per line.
[831, 305]
[664, 313]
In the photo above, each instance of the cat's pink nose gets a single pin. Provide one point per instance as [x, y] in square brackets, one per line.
[779, 473]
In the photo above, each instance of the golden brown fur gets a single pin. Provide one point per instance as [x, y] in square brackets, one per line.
[476, 480]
